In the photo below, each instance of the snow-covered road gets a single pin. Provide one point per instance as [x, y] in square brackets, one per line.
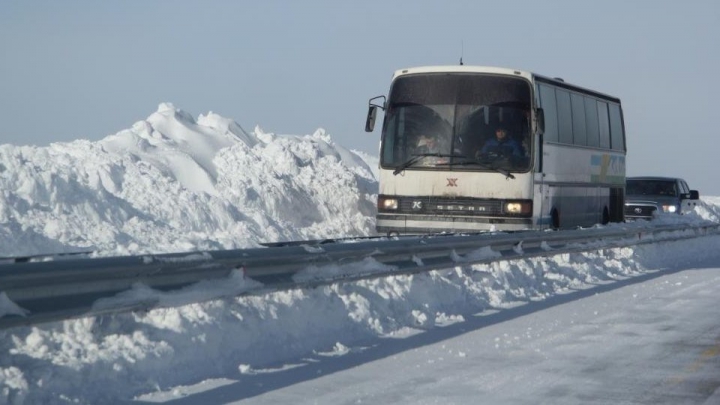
[653, 341]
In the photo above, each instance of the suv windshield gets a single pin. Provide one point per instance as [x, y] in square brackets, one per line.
[455, 120]
[651, 187]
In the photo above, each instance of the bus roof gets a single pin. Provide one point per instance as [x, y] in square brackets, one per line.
[462, 69]
[502, 71]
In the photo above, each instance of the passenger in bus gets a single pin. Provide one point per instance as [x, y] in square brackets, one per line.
[431, 144]
[501, 145]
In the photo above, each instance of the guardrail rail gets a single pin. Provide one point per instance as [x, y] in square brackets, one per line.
[76, 287]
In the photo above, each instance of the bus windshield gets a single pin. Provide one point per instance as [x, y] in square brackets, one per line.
[458, 121]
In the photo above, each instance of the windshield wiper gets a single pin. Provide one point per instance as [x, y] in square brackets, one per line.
[469, 162]
[416, 158]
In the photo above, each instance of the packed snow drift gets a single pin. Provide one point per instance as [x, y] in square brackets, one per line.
[172, 183]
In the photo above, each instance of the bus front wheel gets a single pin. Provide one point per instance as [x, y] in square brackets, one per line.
[605, 216]
[555, 219]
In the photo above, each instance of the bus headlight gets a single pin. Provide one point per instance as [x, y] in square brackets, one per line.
[518, 207]
[387, 203]
[669, 208]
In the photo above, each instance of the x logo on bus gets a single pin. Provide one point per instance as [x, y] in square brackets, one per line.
[451, 182]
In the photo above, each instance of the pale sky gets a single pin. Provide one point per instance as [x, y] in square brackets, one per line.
[86, 69]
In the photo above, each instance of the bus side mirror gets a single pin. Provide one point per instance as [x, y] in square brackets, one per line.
[372, 112]
[540, 116]
[370, 122]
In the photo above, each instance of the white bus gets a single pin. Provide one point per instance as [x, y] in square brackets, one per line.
[444, 167]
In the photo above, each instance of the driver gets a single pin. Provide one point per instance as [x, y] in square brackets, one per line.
[502, 145]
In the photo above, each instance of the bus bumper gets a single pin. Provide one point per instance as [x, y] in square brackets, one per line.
[418, 224]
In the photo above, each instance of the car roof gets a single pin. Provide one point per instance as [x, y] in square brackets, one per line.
[659, 178]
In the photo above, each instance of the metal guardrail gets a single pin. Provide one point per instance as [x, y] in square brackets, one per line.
[63, 289]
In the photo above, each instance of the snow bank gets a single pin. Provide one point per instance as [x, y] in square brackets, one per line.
[171, 183]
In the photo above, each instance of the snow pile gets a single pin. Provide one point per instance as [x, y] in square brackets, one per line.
[709, 209]
[171, 183]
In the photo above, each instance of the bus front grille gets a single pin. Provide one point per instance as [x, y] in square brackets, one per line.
[450, 206]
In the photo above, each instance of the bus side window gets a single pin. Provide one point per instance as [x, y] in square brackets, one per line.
[549, 106]
[565, 123]
[591, 120]
[617, 137]
[579, 127]
[604, 121]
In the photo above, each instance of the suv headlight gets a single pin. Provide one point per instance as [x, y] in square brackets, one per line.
[669, 208]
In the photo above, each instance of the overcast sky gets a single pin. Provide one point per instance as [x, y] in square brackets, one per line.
[87, 69]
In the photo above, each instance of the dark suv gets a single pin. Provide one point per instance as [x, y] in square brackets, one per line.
[646, 197]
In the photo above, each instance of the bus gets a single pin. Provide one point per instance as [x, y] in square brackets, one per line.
[474, 148]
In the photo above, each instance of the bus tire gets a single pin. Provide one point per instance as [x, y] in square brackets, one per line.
[555, 219]
[605, 216]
